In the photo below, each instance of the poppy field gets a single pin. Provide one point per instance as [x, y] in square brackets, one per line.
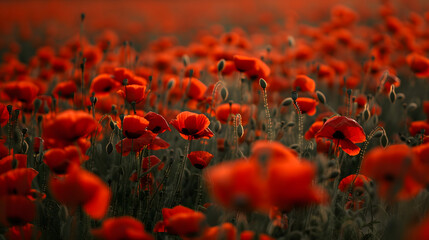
[214, 120]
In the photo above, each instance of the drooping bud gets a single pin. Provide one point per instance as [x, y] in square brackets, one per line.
[392, 94]
[384, 141]
[221, 65]
[294, 95]
[291, 41]
[109, 148]
[186, 60]
[224, 94]
[411, 107]
[366, 113]
[262, 83]
[240, 131]
[321, 97]
[287, 101]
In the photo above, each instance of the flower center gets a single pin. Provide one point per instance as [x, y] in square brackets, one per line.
[338, 135]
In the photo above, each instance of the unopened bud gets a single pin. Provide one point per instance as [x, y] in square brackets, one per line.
[392, 94]
[294, 95]
[240, 131]
[262, 83]
[171, 84]
[384, 141]
[321, 97]
[224, 94]
[411, 107]
[287, 101]
[109, 148]
[125, 82]
[221, 65]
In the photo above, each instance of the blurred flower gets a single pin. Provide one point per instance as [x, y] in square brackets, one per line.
[200, 159]
[122, 228]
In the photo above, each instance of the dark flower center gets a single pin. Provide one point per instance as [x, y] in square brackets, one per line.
[389, 177]
[338, 135]
[189, 131]
[156, 129]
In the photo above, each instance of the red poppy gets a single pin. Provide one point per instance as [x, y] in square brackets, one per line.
[390, 167]
[297, 177]
[158, 143]
[134, 126]
[73, 124]
[127, 145]
[59, 159]
[183, 221]
[192, 125]
[304, 83]
[421, 164]
[237, 185]
[93, 55]
[4, 115]
[120, 74]
[226, 231]
[226, 110]
[24, 91]
[157, 123]
[28, 231]
[254, 67]
[271, 151]
[200, 159]
[344, 132]
[17, 181]
[16, 210]
[418, 126]
[314, 128]
[7, 162]
[103, 84]
[353, 180]
[65, 89]
[193, 88]
[121, 228]
[82, 188]
[133, 93]
[418, 64]
[60, 65]
[250, 235]
[307, 105]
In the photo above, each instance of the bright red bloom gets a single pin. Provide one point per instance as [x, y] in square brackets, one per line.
[17, 181]
[157, 123]
[6, 162]
[421, 163]
[28, 231]
[314, 128]
[307, 105]
[59, 159]
[304, 83]
[226, 110]
[418, 64]
[389, 167]
[65, 89]
[133, 93]
[271, 151]
[250, 235]
[24, 91]
[82, 188]
[122, 228]
[420, 231]
[16, 210]
[183, 221]
[200, 159]
[353, 180]
[254, 67]
[73, 125]
[103, 84]
[345, 132]
[226, 231]
[4, 115]
[134, 126]
[418, 126]
[192, 125]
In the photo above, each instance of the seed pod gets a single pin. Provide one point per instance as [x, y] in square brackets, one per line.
[392, 94]
[321, 97]
[221, 65]
[224, 94]
[93, 100]
[384, 141]
[294, 95]
[240, 131]
[400, 96]
[109, 148]
[121, 116]
[287, 101]
[112, 125]
[291, 41]
[262, 83]
[349, 92]
[411, 107]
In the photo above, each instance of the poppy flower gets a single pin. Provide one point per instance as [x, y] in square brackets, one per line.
[250, 235]
[82, 188]
[27, 231]
[226, 231]
[59, 159]
[226, 110]
[4, 115]
[157, 123]
[60, 65]
[418, 64]
[307, 105]
[272, 151]
[7, 162]
[24, 91]
[421, 164]
[192, 87]
[255, 68]
[93, 55]
[418, 126]
[134, 126]
[314, 128]
[120, 74]
[183, 221]
[192, 125]
[65, 89]
[121, 228]
[297, 177]
[237, 185]
[304, 83]
[391, 168]
[158, 143]
[133, 93]
[17, 181]
[103, 84]
[344, 132]
[200, 159]
[353, 180]
[126, 145]
[16, 210]
[73, 124]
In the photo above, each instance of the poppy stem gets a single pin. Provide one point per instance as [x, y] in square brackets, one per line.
[199, 191]
[268, 116]
[300, 127]
[177, 195]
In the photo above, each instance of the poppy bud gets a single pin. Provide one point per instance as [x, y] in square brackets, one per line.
[170, 84]
[24, 147]
[294, 95]
[290, 124]
[334, 174]
[411, 107]
[240, 131]
[321, 97]
[82, 16]
[37, 104]
[93, 100]
[186, 60]
[378, 134]
[224, 94]
[287, 101]
[217, 126]
[39, 119]
[112, 125]
[262, 83]
[24, 131]
[349, 92]
[191, 73]
[392, 94]
[122, 116]
[125, 82]
[17, 111]
[400, 96]
[221, 65]
[291, 41]
[109, 148]
[366, 114]
[384, 141]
